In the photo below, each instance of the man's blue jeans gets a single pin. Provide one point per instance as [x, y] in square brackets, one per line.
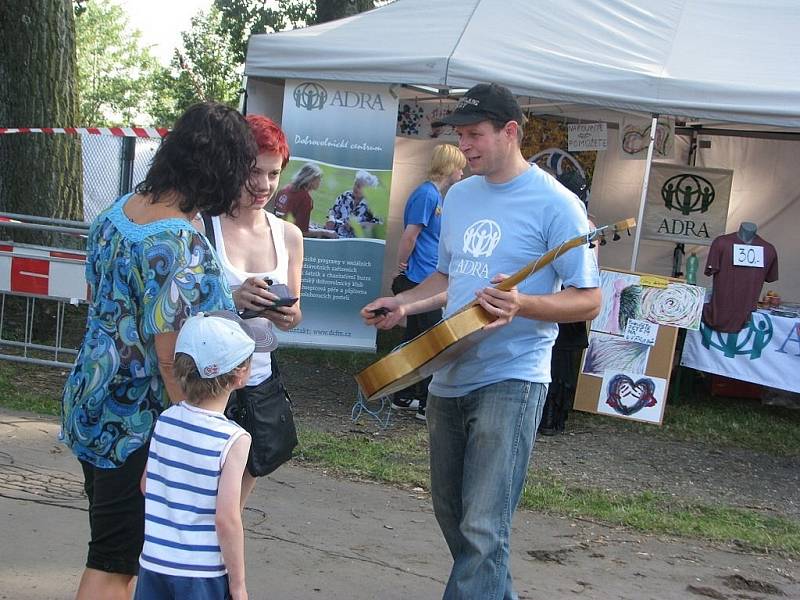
[480, 445]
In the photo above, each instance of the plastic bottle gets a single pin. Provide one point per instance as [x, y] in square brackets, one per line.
[691, 269]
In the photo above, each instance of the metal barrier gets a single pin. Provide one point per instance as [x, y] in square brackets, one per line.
[38, 282]
[49, 282]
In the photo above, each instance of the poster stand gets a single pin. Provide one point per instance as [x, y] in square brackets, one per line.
[659, 364]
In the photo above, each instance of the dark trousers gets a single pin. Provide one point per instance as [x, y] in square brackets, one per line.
[415, 324]
[561, 392]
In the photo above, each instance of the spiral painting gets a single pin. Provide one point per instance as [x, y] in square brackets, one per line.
[677, 305]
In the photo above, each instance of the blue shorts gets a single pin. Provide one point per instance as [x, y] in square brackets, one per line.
[157, 586]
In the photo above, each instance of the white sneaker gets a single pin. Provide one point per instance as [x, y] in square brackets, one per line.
[421, 414]
[405, 404]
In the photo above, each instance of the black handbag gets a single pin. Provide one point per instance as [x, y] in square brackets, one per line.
[265, 411]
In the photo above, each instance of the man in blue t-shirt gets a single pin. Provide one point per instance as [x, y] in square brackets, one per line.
[417, 254]
[484, 406]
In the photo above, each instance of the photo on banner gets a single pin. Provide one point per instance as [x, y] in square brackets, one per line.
[341, 138]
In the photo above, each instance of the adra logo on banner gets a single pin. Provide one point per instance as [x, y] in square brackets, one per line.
[750, 341]
[311, 95]
[688, 193]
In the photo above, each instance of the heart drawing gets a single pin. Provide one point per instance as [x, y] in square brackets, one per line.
[628, 397]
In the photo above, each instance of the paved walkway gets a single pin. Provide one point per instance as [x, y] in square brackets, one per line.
[312, 536]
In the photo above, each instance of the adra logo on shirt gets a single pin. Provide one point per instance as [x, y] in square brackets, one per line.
[480, 240]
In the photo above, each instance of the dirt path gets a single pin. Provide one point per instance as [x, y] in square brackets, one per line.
[311, 536]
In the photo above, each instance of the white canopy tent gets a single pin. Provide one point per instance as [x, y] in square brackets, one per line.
[714, 59]
[716, 63]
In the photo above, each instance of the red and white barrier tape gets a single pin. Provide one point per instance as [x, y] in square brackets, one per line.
[141, 132]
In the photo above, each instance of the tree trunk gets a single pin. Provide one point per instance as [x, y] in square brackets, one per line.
[39, 174]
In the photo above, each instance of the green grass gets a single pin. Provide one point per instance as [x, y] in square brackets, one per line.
[17, 394]
[720, 422]
[403, 461]
[399, 460]
[661, 514]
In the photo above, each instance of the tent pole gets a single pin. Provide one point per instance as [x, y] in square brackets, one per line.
[648, 163]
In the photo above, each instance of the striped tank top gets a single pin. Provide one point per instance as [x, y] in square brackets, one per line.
[187, 452]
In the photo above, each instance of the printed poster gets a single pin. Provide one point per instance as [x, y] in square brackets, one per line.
[342, 135]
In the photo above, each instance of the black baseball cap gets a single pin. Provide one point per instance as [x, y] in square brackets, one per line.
[484, 102]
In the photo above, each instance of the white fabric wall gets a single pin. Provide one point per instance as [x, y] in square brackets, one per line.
[764, 191]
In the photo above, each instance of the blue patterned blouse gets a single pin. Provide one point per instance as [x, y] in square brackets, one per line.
[144, 280]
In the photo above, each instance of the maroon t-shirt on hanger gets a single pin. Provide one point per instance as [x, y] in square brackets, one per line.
[736, 289]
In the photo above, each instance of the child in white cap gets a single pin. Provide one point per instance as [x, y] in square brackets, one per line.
[194, 539]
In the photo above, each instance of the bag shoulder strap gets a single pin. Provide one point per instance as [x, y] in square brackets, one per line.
[209, 227]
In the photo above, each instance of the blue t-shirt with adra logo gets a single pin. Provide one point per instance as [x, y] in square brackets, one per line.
[492, 228]
[423, 208]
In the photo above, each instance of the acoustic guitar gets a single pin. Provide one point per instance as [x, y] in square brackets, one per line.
[429, 351]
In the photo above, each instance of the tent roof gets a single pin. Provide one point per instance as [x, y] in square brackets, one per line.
[717, 59]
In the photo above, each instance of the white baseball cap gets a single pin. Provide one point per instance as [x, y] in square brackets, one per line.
[221, 341]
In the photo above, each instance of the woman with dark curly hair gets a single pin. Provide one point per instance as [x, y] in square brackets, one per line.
[148, 270]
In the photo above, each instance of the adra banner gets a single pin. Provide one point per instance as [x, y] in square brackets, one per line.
[336, 188]
[686, 204]
[765, 351]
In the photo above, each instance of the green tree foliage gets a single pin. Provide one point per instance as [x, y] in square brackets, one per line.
[114, 71]
[330, 10]
[241, 18]
[204, 68]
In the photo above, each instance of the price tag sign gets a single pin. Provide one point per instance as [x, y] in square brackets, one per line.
[745, 255]
[643, 332]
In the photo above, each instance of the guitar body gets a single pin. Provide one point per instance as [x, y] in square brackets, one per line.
[425, 354]
[451, 337]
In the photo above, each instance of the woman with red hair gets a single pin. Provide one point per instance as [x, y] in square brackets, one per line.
[256, 249]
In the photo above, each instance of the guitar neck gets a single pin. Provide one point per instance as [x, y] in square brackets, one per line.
[541, 262]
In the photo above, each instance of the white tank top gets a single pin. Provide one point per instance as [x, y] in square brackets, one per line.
[261, 367]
